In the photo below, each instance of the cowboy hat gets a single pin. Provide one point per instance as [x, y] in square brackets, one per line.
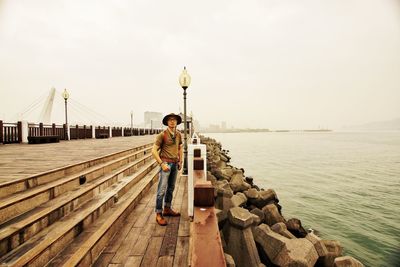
[177, 117]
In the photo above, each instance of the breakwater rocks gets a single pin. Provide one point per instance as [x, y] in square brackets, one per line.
[253, 230]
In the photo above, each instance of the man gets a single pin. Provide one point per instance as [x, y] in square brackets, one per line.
[167, 150]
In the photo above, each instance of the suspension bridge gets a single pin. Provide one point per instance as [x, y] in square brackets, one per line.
[86, 123]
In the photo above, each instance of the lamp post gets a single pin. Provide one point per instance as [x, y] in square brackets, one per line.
[65, 95]
[184, 80]
[132, 123]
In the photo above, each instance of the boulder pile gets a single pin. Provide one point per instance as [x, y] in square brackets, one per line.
[253, 230]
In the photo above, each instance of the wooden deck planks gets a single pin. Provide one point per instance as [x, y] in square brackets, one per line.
[142, 242]
[170, 237]
[104, 260]
[133, 261]
[150, 257]
[165, 261]
[181, 251]
[23, 160]
[124, 250]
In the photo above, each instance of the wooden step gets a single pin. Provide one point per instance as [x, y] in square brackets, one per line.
[14, 205]
[18, 230]
[24, 183]
[84, 250]
[41, 248]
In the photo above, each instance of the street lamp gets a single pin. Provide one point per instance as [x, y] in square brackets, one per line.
[132, 123]
[65, 95]
[184, 80]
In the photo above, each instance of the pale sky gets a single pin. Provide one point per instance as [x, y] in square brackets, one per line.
[272, 64]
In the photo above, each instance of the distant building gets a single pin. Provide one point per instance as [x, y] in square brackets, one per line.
[223, 125]
[214, 127]
[153, 119]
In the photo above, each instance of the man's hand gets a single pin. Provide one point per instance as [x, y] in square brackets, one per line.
[165, 167]
[180, 165]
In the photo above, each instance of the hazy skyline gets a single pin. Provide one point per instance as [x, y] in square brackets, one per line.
[261, 64]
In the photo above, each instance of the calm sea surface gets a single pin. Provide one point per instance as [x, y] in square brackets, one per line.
[345, 185]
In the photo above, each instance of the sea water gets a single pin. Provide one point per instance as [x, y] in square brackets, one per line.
[344, 185]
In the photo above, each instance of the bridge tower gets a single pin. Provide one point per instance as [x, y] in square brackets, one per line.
[45, 115]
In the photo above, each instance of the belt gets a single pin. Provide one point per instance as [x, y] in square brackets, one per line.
[170, 160]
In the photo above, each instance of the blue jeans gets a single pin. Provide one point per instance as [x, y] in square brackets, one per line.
[166, 186]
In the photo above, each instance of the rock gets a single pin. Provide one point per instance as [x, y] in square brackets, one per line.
[272, 215]
[333, 246]
[223, 243]
[269, 195]
[281, 229]
[222, 216]
[237, 183]
[223, 184]
[240, 218]
[212, 178]
[318, 245]
[334, 250]
[279, 207]
[239, 200]
[220, 164]
[239, 238]
[229, 261]
[220, 175]
[256, 219]
[259, 213]
[294, 226]
[225, 192]
[251, 193]
[223, 200]
[255, 187]
[216, 158]
[249, 180]
[250, 207]
[282, 251]
[347, 261]
[227, 171]
[264, 198]
[224, 157]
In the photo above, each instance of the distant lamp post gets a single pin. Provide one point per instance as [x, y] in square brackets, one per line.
[131, 123]
[65, 95]
[184, 80]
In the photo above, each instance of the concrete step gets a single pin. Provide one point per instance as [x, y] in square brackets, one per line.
[19, 203]
[45, 245]
[25, 183]
[20, 229]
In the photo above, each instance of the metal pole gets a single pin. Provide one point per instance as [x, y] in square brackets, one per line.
[132, 123]
[66, 121]
[185, 167]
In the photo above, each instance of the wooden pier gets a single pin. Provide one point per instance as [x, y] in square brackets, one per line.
[87, 202]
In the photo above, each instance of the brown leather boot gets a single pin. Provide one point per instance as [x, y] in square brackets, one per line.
[170, 212]
[160, 219]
